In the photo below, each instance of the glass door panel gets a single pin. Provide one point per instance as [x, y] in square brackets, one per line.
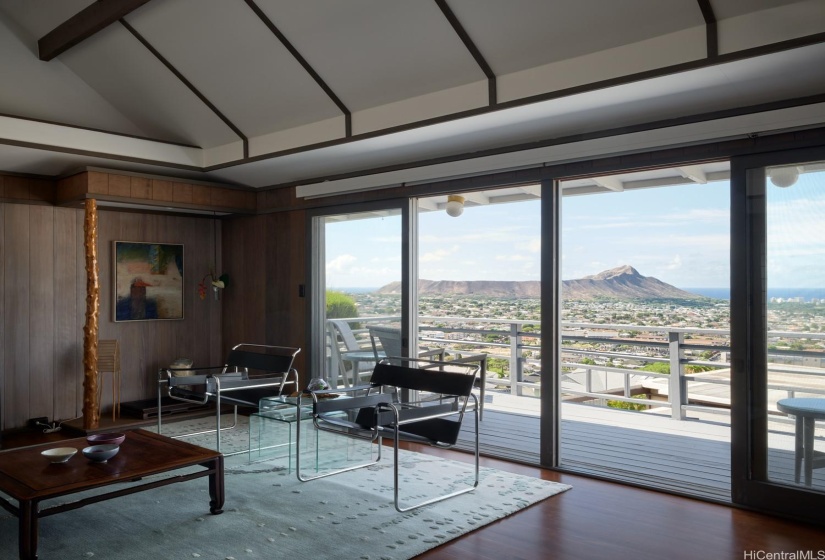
[359, 267]
[478, 300]
[795, 324]
[645, 372]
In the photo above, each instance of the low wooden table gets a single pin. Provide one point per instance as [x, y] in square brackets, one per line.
[29, 478]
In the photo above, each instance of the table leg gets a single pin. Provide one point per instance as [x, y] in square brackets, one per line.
[799, 449]
[216, 489]
[808, 447]
[27, 537]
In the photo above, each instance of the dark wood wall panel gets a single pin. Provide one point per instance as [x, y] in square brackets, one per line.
[287, 252]
[43, 306]
[42, 292]
[147, 346]
[265, 257]
[68, 299]
[245, 242]
[16, 227]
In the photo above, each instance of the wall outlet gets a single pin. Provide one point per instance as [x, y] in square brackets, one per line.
[39, 422]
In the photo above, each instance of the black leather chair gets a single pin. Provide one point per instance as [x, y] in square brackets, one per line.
[432, 414]
[251, 372]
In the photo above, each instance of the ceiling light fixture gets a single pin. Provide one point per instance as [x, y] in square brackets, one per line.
[784, 176]
[455, 205]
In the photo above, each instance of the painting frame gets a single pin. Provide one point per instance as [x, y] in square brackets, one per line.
[147, 281]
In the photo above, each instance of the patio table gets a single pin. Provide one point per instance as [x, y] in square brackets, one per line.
[807, 411]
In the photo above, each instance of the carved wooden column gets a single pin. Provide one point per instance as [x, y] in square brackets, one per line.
[91, 406]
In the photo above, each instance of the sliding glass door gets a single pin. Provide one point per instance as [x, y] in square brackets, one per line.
[479, 301]
[357, 282]
[779, 317]
[644, 372]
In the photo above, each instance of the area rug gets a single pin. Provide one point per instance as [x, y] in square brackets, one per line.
[270, 514]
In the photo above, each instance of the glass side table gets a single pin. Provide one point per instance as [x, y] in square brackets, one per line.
[273, 437]
[273, 430]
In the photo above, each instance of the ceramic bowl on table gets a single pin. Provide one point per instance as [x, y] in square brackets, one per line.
[100, 453]
[106, 439]
[59, 454]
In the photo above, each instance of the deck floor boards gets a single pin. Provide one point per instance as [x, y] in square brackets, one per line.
[682, 456]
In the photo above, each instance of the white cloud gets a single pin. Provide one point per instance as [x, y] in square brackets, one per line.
[675, 264]
[438, 254]
[341, 263]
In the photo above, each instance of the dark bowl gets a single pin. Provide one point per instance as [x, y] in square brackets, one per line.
[100, 453]
[102, 439]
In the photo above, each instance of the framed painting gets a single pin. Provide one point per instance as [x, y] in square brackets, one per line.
[148, 280]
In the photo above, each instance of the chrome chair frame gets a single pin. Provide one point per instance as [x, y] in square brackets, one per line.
[381, 414]
[233, 376]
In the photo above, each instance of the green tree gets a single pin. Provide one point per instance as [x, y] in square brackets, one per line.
[657, 367]
[624, 405]
[498, 366]
[340, 305]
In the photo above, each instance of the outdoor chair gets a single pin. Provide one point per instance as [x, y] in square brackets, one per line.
[251, 372]
[422, 401]
[345, 349]
[388, 339]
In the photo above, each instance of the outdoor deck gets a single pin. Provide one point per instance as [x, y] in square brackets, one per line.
[686, 456]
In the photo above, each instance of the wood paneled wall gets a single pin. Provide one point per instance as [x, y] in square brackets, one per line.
[42, 304]
[265, 258]
[157, 191]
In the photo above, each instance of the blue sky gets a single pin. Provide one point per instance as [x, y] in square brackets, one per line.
[677, 234]
[796, 233]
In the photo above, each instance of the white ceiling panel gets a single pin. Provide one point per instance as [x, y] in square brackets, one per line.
[261, 88]
[668, 97]
[50, 92]
[724, 9]
[38, 17]
[374, 52]
[123, 71]
[520, 34]
[413, 89]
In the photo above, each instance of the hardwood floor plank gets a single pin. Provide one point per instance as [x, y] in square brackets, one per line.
[597, 519]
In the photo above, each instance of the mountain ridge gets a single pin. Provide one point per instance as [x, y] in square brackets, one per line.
[622, 282]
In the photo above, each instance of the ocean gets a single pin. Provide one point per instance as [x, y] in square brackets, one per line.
[806, 294]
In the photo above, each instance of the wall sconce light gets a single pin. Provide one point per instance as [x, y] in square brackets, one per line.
[455, 205]
[784, 176]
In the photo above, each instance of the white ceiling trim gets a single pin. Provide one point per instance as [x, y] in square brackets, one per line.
[771, 25]
[720, 129]
[48, 135]
[683, 46]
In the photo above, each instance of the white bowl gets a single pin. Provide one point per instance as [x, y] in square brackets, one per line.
[59, 454]
[101, 453]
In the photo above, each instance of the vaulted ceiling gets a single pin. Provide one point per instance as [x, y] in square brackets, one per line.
[327, 94]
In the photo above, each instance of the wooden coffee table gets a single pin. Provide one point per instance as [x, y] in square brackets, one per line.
[29, 478]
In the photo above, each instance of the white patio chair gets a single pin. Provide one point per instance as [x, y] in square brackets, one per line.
[354, 362]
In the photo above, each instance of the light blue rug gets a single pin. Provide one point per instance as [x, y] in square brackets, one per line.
[270, 514]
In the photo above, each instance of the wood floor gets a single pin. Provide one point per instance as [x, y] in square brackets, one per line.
[597, 519]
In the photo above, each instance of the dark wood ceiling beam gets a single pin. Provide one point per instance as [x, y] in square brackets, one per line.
[711, 30]
[188, 84]
[468, 42]
[303, 62]
[84, 24]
